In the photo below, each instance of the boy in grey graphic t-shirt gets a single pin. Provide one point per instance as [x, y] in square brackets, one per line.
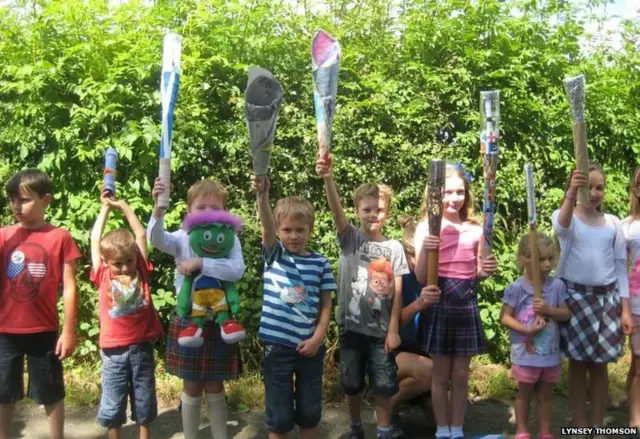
[369, 298]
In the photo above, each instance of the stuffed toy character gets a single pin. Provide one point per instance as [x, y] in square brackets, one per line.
[211, 235]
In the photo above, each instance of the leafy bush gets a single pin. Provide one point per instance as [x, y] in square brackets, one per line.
[78, 77]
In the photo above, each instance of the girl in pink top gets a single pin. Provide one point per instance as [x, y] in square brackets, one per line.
[452, 328]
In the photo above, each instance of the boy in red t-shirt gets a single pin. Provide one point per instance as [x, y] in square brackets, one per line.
[129, 323]
[37, 259]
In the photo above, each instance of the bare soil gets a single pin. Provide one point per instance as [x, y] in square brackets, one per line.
[483, 417]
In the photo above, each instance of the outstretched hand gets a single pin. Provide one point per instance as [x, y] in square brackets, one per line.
[260, 184]
[324, 166]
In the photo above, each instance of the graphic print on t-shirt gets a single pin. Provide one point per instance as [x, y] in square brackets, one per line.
[295, 296]
[27, 269]
[544, 342]
[126, 296]
[372, 291]
[358, 289]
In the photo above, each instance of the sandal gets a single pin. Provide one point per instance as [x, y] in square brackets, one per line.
[545, 436]
[523, 436]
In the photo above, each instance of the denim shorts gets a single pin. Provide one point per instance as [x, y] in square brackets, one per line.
[46, 381]
[363, 354]
[287, 404]
[128, 373]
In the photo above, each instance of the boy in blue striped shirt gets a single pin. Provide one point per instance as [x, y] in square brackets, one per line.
[296, 310]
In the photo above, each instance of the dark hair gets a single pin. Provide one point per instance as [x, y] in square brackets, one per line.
[32, 180]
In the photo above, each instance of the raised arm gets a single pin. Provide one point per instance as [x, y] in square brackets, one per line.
[269, 232]
[96, 235]
[324, 169]
[159, 238]
[578, 180]
[134, 223]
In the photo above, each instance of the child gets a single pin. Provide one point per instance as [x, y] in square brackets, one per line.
[205, 368]
[593, 266]
[129, 324]
[453, 330]
[535, 335]
[631, 230]
[414, 365]
[369, 301]
[296, 309]
[37, 258]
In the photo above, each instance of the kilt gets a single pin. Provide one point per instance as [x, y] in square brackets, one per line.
[453, 327]
[215, 360]
[594, 332]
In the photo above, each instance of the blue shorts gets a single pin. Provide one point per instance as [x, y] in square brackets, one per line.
[361, 354]
[285, 404]
[46, 381]
[128, 373]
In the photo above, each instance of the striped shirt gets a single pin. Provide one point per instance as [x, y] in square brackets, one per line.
[291, 298]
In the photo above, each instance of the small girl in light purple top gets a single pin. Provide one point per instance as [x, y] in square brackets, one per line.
[535, 335]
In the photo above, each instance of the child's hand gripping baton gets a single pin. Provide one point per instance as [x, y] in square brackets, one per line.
[489, 138]
[575, 91]
[110, 163]
[263, 98]
[533, 237]
[325, 58]
[169, 85]
[435, 192]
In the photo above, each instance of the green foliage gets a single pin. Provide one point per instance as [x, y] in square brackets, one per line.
[78, 77]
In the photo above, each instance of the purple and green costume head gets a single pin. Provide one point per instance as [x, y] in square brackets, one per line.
[212, 233]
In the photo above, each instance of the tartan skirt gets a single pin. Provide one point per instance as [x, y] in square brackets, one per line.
[594, 332]
[453, 327]
[215, 360]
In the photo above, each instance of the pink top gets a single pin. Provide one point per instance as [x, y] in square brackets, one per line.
[458, 257]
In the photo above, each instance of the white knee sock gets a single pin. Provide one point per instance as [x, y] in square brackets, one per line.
[190, 415]
[217, 415]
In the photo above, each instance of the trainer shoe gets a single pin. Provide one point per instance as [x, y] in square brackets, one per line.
[355, 433]
[394, 433]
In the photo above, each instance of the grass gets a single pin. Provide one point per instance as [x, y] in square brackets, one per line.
[486, 381]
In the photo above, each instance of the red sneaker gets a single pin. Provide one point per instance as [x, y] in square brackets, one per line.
[232, 332]
[191, 337]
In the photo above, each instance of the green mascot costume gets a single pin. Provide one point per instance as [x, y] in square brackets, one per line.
[211, 235]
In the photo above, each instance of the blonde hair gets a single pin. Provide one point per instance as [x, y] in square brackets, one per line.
[409, 228]
[33, 181]
[208, 188]
[296, 207]
[466, 211]
[373, 190]
[118, 241]
[524, 246]
[635, 200]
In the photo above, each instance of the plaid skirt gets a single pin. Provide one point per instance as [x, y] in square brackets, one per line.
[594, 332]
[215, 360]
[453, 327]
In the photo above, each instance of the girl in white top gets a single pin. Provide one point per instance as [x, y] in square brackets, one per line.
[631, 229]
[593, 266]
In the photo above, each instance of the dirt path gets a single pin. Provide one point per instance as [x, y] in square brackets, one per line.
[483, 417]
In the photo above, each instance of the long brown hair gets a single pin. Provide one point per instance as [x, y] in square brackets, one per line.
[593, 166]
[466, 211]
